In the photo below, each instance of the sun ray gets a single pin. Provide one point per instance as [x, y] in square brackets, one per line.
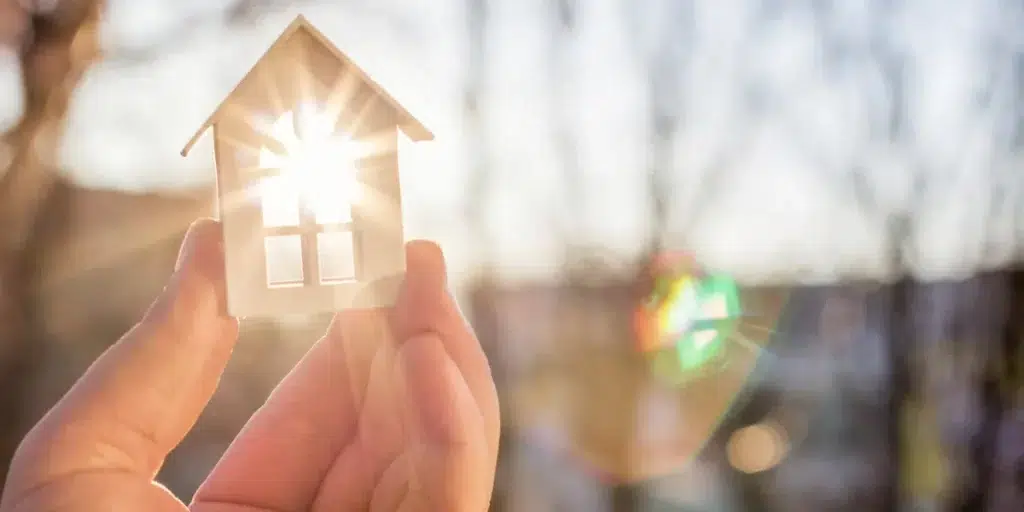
[236, 200]
[379, 143]
[341, 93]
[260, 126]
[310, 165]
[249, 146]
[360, 116]
[236, 143]
[270, 160]
[759, 327]
[283, 130]
[268, 80]
[303, 72]
[746, 342]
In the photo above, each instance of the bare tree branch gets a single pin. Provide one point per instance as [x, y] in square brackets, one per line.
[569, 211]
[477, 144]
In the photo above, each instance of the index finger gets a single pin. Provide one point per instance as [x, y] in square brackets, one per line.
[139, 399]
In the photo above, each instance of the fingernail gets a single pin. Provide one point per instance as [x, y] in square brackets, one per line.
[422, 300]
[427, 258]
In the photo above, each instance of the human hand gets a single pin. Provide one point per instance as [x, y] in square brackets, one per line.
[393, 409]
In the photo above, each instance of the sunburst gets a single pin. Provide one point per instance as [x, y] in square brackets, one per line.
[316, 168]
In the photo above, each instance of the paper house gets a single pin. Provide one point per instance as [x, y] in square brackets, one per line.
[307, 181]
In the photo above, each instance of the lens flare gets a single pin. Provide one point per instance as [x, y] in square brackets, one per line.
[687, 318]
[702, 338]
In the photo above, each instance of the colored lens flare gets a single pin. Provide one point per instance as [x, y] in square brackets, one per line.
[626, 418]
[687, 318]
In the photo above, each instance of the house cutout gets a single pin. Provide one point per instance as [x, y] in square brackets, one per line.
[307, 181]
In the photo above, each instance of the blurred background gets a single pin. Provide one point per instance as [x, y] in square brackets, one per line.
[857, 167]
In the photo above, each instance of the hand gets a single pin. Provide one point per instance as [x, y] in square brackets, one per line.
[393, 409]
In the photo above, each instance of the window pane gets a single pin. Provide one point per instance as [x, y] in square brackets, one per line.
[280, 202]
[284, 260]
[336, 251]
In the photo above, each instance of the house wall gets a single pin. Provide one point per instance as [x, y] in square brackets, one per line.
[300, 69]
[379, 252]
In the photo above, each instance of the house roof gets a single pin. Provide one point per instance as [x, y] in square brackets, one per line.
[408, 124]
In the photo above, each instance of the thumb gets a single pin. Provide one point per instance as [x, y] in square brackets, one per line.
[140, 398]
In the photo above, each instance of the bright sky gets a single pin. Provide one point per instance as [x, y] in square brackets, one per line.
[775, 123]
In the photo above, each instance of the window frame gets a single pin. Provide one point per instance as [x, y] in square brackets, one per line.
[308, 229]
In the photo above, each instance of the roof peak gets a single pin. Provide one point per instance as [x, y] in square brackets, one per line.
[408, 124]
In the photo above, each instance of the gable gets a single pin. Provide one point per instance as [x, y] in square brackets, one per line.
[301, 70]
[303, 66]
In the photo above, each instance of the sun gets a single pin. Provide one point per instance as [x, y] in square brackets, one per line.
[317, 169]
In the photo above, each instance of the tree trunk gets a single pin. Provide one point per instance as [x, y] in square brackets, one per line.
[59, 51]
